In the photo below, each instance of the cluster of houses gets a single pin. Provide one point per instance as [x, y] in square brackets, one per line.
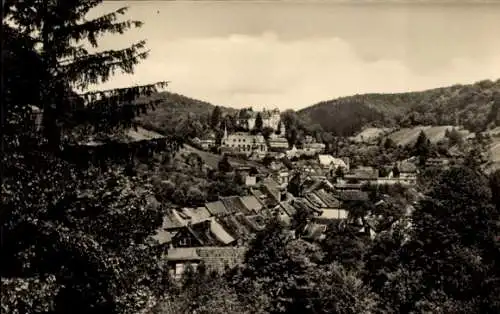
[217, 233]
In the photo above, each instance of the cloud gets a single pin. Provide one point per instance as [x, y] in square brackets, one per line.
[240, 70]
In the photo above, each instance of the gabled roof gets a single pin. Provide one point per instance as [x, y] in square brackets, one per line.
[251, 203]
[217, 208]
[182, 254]
[220, 233]
[315, 200]
[197, 214]
[233, 204]
[353, 195]
[328, 199]
[264, 198]
[289, 209]
[172, 221]
[254, 222]
[272, 187]
[304, 204]
[162, 236]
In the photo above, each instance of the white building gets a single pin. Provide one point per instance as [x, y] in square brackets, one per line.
[270, 119]
[244, 143]
[332, 163]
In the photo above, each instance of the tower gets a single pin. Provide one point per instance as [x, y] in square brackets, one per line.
[282, 129]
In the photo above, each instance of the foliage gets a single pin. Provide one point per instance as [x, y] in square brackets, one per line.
[224, 165]
[421, 149]
[60, 31]
[85, 233]
[474, 106]
[258, 122]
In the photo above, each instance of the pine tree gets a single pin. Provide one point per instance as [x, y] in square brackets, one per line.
[61, 30]
[422, 148]
[216, 117]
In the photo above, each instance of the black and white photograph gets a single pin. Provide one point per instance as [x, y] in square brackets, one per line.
[250, 157]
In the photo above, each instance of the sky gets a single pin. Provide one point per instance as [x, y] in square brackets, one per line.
[293, 54]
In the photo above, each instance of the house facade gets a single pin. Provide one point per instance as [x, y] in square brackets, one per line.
[245, 143]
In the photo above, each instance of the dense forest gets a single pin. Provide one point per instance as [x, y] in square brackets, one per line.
[473, 106]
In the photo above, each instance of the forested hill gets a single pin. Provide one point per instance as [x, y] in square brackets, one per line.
[175, 111]
[475, 106]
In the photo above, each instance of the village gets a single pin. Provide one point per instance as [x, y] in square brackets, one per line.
[304, 179]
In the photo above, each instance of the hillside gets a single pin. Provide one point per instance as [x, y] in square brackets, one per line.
[212, 160]
[174, 110]
[475, 106]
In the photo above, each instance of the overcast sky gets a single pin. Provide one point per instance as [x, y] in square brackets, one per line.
[294, 54]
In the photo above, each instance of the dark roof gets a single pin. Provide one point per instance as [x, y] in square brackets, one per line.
[202, 232]
[235, 227]
[315, 200]
[220, 233]
[311, 185]
[363, 173]
[327, 198]
[217, 208]
[348, 186]
[254, 222]
[352, 195]
[264, 197]
[233, 204]
[289, 209]
[304, 204]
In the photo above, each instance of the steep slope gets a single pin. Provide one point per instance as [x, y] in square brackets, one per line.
[475, 106]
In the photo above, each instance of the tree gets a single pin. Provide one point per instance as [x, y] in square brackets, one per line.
[422, 148]
[258, 122]
[60, 30]
[215, 117]
[224, 165]
[395, 171]
[266, 133]
[455, 137]
[456, 258]
[339, 172]
[389, 144]
[76, 235]
[495, 188]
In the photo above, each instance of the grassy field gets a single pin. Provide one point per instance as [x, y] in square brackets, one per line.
[212, 160]
[407, 136]
[369, 134]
